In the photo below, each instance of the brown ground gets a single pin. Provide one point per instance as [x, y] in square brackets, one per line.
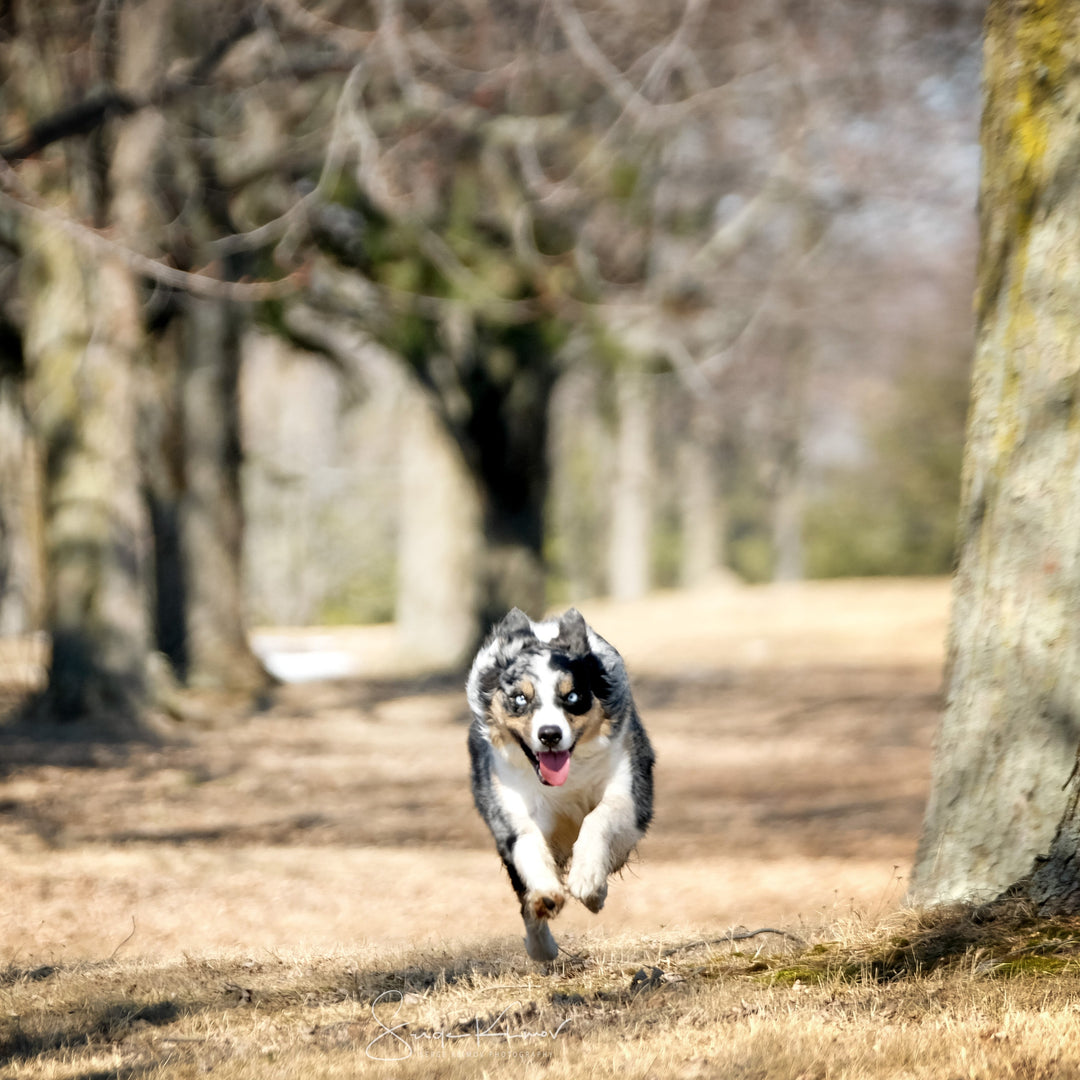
[792, 727]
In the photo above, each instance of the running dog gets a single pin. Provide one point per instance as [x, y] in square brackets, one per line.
[561, 764]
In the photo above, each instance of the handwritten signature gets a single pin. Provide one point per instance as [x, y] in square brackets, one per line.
[397, 1048]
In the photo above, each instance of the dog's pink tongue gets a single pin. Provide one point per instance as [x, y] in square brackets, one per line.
[554, 766]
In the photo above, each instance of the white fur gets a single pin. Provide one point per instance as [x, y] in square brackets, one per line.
[549, 714]
[607, 836]
[546, 631]
[596, 797]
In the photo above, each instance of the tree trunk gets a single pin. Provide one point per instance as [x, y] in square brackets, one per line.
[701, 521]
[22, 575]
[218, 654]
[161, 452]
[1011, 725]
[80, 346]
[498, 413]
[629, 539]
[438, 539]
[787, 495]
[1054, 886]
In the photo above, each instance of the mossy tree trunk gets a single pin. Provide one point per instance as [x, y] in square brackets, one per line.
[83, 342]
[82, 337]
[87, 352]
[1011, 725]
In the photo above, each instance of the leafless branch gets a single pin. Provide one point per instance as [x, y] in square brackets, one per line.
[87, 115]
[590, 54]
[15, 196]
[296, 15]
[333, 163]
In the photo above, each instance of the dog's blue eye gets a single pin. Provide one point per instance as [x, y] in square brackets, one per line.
[572, 698]
[519, 700]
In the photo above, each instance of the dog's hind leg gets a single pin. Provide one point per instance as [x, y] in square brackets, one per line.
[539, 943]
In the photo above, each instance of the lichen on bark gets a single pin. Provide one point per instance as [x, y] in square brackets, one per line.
[1012, 720]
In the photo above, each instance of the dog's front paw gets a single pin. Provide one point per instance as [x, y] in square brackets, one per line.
[544, 905]
[589, 888]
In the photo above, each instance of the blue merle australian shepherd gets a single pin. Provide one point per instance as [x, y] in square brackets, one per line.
[561, 765]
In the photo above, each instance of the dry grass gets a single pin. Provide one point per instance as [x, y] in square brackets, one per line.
[237, 900]
[627, 1004]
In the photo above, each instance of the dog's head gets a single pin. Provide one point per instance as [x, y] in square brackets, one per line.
[541, 687]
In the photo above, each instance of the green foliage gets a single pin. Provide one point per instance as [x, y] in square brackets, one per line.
[1030, 965]
[625, 176]
[897, 515]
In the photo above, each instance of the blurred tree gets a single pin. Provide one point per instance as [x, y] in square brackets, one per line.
[1011, 727]
[85, 343]
[701, 524]
[82, 341]
[629, 536]
[494, 193]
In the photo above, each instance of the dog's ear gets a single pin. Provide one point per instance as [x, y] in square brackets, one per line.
[573, 637]
[509, 637]
[514, 622]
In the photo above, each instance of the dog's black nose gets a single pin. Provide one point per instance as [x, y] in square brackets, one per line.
[550, 735]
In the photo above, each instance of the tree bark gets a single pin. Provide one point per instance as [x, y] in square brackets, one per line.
[1054, 886]
[82, 337]
[219, 656]
[700, 510]
[788, 497]
[630, 536]
[438, 539]
[496, 408]
[22, 575]
[1011, 726]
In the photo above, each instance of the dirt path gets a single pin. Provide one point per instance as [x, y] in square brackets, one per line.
[792, 728]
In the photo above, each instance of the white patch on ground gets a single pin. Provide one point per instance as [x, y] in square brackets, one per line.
[304, 659]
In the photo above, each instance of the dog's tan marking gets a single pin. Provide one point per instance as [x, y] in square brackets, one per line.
[544, 905]
[561, 838]
[590, 725]
[502, 723]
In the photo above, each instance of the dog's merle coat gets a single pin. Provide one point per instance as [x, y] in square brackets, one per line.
[561, 764]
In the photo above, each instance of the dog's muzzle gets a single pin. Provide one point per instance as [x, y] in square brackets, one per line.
[552, 766]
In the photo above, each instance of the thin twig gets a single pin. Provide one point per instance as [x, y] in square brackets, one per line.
[15, 196]
[333, 164]
[727, 938]
[125, 941]
[87, 115]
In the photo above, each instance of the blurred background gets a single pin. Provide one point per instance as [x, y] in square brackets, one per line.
[339, 313]
[330, 330]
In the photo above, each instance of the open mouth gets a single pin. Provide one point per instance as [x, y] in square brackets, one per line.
[552, 766]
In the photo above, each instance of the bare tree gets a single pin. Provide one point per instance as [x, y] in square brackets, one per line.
[85, 341]
[477, 188]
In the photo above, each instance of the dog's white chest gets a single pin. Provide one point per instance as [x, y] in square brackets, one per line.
[559, 811]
